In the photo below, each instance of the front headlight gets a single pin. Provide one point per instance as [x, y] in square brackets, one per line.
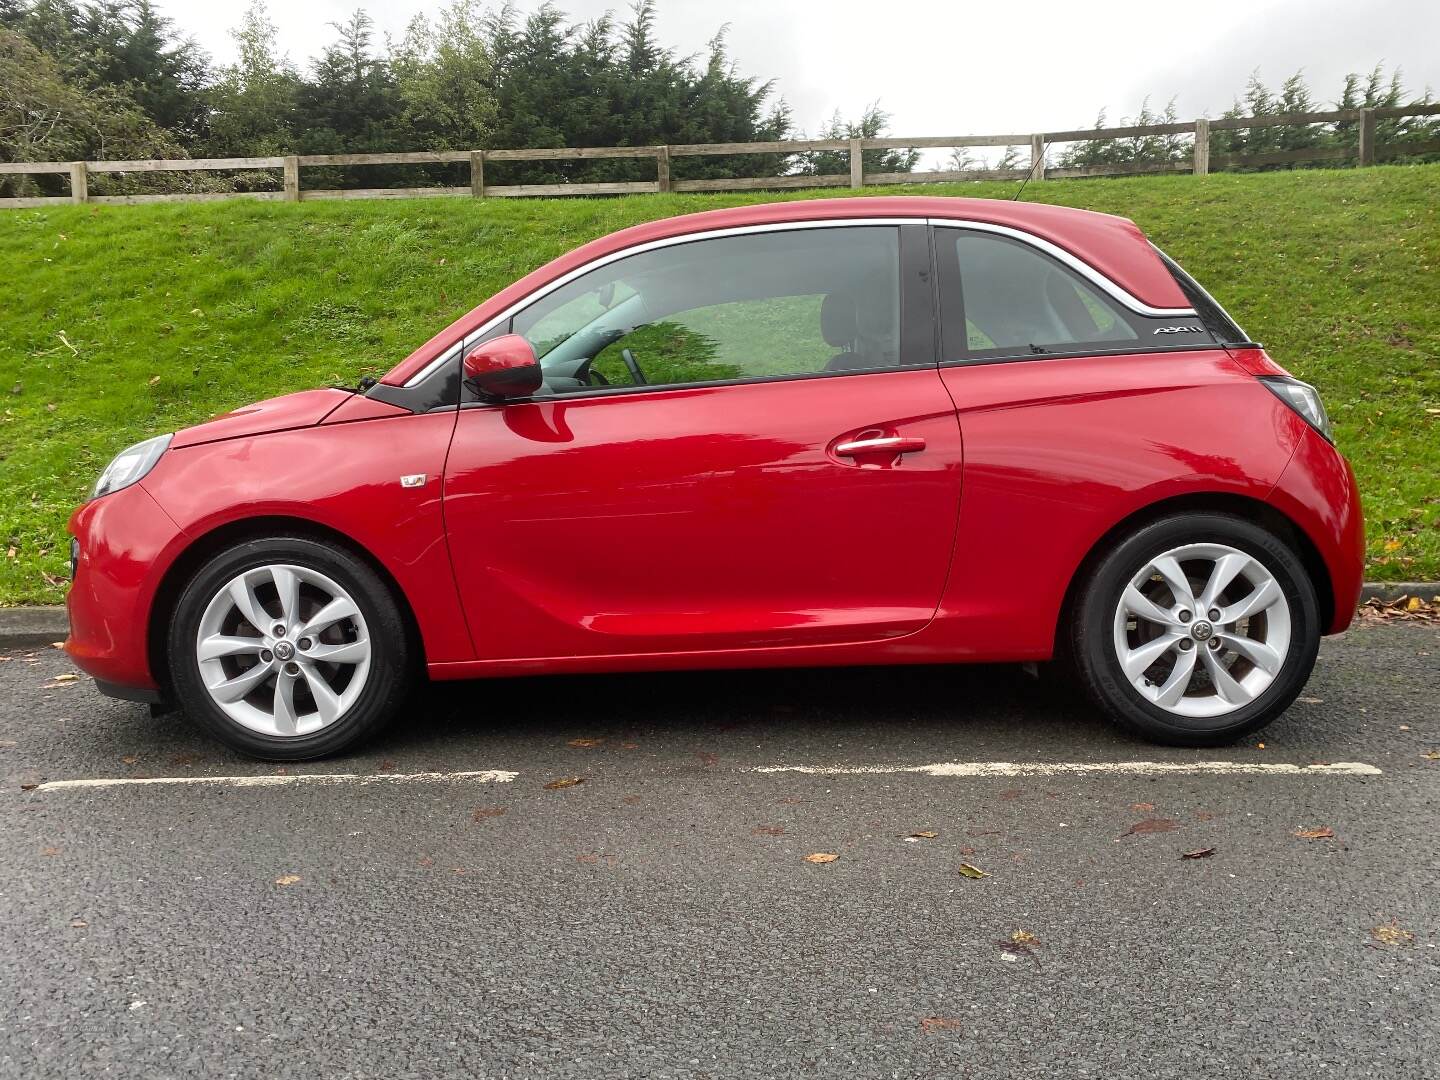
[130, 465]
[1304, 399]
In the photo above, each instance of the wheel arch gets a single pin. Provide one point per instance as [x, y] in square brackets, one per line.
[1250, 509]
[203, 547]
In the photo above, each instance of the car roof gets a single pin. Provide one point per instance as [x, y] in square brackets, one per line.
[1114, 246]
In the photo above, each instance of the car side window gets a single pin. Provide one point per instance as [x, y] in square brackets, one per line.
[1002, 297]
[756, 305]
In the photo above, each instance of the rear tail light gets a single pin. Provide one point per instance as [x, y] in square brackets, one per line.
[1304, 399]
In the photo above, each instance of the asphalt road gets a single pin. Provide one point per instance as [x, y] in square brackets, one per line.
[660, 919]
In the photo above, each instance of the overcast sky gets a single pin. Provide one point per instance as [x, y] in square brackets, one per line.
[952, 67]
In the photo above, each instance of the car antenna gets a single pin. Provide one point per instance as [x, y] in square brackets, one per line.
[1035, 166]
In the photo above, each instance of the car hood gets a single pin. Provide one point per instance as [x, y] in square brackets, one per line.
[305, 409]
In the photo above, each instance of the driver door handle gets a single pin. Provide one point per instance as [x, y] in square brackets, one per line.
[887, 444]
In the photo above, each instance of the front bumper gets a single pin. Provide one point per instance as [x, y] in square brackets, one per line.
[123, 543]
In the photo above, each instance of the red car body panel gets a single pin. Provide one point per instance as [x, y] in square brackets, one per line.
[1057, 452]
[718, 526]
[299, 410]
[1318, 492]
[125, 543]
[341, 477]
[703, 518]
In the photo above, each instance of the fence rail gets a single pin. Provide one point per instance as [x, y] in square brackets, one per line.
[1364, 151]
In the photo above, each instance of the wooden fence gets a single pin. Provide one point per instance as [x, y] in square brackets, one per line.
[1364, 152]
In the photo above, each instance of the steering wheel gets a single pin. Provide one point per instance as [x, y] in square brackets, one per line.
[630, 362]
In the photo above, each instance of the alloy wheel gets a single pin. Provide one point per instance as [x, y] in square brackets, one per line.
[1202, 630]
[283, 650]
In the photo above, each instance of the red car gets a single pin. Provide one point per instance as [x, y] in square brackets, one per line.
[859, 431]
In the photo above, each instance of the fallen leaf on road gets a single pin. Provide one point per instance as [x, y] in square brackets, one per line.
[821, 857]
[49, 851]
[78, 924]
[927, 835]
[483, 812]
[767, 830]
[65, 676]
[584, 744]
[1322, 833]
[426, 861]
[1392, 934]
[930, 1024]
[1203, 853]
[1431, 755]
[1024, 937]
[129, 759]
[287, 879]
[564, 782]
[1142, 807]
[1151, 825]
[966, 870]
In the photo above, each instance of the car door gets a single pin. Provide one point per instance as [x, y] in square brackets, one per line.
[1078, 406]
[787, 472]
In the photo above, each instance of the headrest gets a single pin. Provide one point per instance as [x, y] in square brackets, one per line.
[837, 320]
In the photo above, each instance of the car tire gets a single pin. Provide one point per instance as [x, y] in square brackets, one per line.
[330, 668]
[1159, 661]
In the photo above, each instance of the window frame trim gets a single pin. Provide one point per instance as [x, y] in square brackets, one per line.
[1066, 258]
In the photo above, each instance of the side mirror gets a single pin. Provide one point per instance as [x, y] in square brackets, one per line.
[504, 367]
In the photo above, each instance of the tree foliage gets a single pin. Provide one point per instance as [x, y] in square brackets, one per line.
[1374, 90]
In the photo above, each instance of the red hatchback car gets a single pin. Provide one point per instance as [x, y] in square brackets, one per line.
[858, 431]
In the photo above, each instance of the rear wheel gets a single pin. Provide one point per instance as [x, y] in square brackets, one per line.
[1196, 630]
[288, 649]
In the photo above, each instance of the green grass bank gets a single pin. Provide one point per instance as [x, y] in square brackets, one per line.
[121, 322]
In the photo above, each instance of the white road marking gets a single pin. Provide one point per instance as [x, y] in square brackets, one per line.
[486, 776]
[1113, 768]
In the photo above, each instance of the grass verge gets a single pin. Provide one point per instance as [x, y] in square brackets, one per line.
[121, 322]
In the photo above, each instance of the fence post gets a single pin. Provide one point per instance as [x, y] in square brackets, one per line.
[1037, 157]
[477, 174]
[1367, 137]
[1202, 147]
[292, 179]
[79, 182]
[662, 168]
[857, 164]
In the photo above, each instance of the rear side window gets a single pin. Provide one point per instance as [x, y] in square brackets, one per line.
[1003, 298]
[1216, 319]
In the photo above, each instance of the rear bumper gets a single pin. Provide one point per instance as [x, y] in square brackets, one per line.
[130, 693]
[1319, 493]
[122, 540]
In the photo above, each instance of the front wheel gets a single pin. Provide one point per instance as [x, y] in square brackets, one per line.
[1196, 630]
[288, 649]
